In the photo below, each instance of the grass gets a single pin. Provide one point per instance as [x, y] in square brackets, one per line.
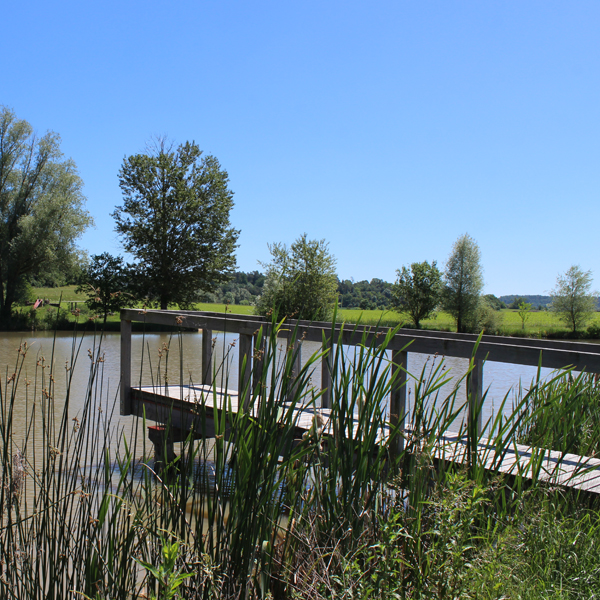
[539, 324]
[260, 512]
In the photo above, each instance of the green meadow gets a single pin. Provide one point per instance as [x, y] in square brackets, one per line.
[539, 324]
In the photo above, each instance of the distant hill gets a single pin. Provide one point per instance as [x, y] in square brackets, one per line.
[536, 301]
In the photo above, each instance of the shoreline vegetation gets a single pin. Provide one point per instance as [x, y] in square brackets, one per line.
[74, 314]
[258, 514]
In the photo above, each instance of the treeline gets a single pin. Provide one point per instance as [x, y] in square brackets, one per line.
[245, 288]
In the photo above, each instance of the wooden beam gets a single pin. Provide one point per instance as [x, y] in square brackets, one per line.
[245, 368]
[326, 365]
[125, 367]
[207, 354]
[475, 394]
[398, 399]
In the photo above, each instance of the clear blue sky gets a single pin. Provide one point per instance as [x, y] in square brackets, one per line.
[387, 128]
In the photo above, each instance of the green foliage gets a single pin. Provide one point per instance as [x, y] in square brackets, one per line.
[463, 282]
[494, 302]
[106, 281]
[366, 295]
[572, 299]
[168, 577]
[417, 290]
[524, 312]
[301, 281]
[41, 208]
[175, 222]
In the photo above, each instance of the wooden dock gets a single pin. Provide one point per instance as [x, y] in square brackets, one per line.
[179, 405]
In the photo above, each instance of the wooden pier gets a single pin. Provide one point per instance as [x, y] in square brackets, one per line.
[178, 404]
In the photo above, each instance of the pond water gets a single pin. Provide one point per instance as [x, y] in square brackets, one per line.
[151, 363]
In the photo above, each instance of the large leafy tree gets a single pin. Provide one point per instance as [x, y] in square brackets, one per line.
[301, 281]
[572, 298]
[175, 222]
[41, 207]
[417, 290]
[107, 283]
[463, 283]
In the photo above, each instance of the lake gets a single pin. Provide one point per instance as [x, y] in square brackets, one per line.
[162, 356]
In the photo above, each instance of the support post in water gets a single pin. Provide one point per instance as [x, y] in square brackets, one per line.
[125, 367]
[398, 400]
[164, 452]
[475, 395]
[207, 351]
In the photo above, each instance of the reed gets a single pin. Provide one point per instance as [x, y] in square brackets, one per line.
[260, 511]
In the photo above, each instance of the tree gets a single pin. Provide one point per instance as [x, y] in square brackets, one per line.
[572, 299]
[493, 302]
[524, 312]
[301, 281]
[417, 290]
[175, 222]
[41, 207]
[106, 283]
[463, 282]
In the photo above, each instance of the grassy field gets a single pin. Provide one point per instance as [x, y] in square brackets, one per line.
[539, 324]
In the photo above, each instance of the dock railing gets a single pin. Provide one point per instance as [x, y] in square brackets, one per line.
[532, 352]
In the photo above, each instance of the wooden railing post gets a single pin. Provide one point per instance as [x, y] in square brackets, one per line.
[475, 394]
[207, 351]
[398, 400]
[125, 367]
[294, 345]
[326, 362]
[245, 370]
[259, 344]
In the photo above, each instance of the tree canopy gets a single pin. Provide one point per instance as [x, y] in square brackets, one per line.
[41, 207]
[463, 282]
[301, 281]
[417, 290]
[106, 281]
[175, 221]
[572, 299]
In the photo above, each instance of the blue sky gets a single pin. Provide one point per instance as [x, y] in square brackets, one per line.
[387, 128]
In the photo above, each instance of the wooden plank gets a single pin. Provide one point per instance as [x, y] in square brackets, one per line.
[125, 367]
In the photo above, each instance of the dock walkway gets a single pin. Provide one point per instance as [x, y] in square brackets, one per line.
[178, 405]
